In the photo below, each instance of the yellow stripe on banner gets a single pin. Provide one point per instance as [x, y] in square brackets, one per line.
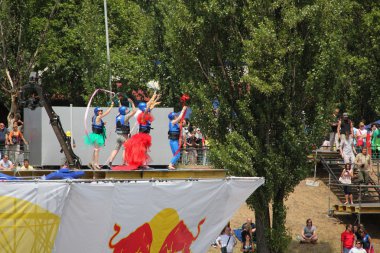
[162, 224]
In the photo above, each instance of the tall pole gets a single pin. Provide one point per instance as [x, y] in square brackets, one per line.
[108, 47]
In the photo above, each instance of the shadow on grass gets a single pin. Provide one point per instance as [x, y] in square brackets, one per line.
[320, 247]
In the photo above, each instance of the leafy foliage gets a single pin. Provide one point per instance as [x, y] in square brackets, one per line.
[264, 76]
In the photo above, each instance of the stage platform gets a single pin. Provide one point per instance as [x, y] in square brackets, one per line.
[135, 174]
[364, 208]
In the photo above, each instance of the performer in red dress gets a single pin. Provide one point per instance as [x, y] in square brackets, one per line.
[137, 147]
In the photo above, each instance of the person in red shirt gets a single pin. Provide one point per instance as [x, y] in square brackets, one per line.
[347, 239]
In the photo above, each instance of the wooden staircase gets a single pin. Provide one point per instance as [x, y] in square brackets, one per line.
[333, 164]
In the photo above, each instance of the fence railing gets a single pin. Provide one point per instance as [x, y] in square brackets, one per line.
[361, 188]
[195, 156]
[374, 151]
[16, 153]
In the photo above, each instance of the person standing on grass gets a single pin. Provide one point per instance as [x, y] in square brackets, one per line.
[358, 248]
[347, 239]
[226, 242]
[367, 241]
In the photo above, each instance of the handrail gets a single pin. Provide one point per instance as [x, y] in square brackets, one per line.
[357, 185]
[327, 167]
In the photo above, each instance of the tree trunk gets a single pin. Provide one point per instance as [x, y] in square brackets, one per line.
[279, 237]
[263, 230]
[14, 107]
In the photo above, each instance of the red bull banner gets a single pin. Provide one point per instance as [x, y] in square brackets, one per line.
[150, 217]
[119, 217]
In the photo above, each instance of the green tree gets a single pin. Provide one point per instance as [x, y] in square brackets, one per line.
[23, 29]
[272, 66]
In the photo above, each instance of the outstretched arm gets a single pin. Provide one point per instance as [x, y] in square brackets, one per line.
[106, 112]
[131, 113]
[153, 102]
[175, 121]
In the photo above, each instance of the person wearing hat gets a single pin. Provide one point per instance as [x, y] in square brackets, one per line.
[68, 140]
[174, 135]
[98, 135]
[345, 128]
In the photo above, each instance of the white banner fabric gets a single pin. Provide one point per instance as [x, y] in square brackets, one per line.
[149, 217]
[30, 215]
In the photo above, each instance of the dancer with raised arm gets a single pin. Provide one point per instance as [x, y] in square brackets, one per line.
[123, 129]
[174, 136]
[136, 148]
[98, 135]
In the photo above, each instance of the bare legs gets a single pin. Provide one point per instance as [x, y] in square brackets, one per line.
[95, 158]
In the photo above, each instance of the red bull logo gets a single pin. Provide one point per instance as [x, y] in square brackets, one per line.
[163, 233]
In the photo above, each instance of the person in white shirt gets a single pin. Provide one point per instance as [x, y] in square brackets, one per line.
[358, 248]
[226, 242]
[361, 136]
[5, 163]
[347, 150]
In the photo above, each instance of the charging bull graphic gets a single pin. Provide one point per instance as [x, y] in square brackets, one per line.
[180, 238]
[165, 232]
[138, 241]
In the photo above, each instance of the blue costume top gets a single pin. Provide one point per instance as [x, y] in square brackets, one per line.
[121, 127]
[173, 131]
[145, 128]
[97, 128]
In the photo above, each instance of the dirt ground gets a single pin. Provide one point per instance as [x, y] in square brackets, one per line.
[312, 202]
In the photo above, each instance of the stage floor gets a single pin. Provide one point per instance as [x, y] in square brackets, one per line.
[153, 173]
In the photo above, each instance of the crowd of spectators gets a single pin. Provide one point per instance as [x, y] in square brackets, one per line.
[194, 145]
[228, 238]
[13, 145]
[357, 147]
[355, 239]
[343, 131]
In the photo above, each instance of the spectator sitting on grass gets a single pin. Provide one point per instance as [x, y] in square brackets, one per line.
[248, 228]
[308, 234]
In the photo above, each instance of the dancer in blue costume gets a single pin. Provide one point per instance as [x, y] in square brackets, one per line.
[174, 135]
[98, 135]
[123, 128]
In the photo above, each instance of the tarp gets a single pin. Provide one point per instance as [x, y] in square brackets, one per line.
[139, 216]
[30, 215]
[369, 125]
